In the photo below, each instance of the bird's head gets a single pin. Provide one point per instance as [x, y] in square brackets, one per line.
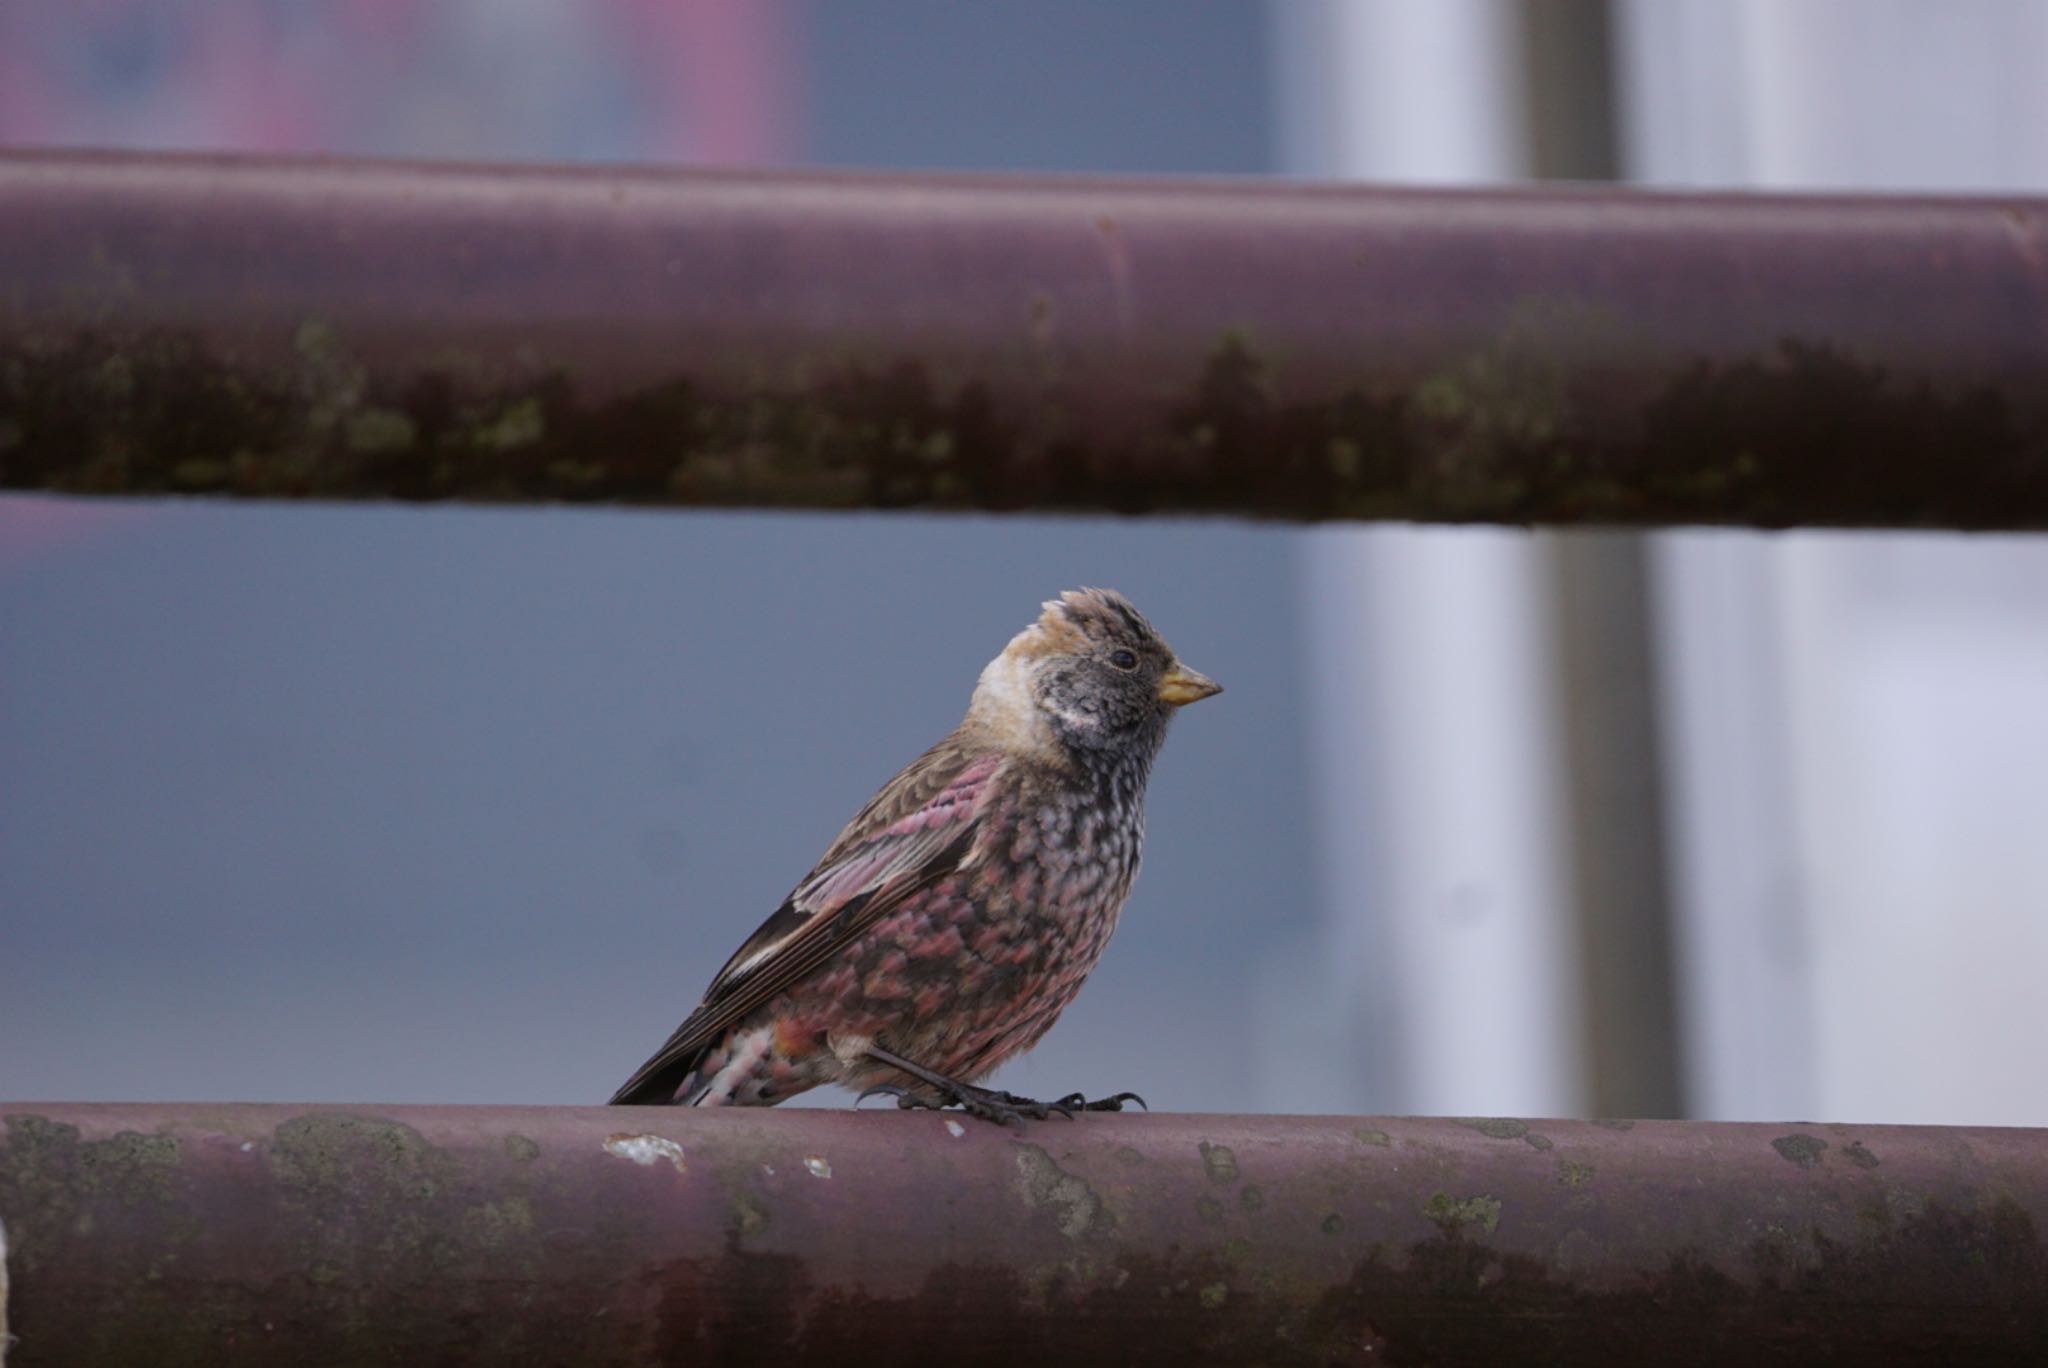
[1090, 674]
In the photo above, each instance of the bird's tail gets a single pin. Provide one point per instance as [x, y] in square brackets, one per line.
[673, 1083]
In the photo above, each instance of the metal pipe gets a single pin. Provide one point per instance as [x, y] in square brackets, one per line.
[364, 330]
[225, 1234]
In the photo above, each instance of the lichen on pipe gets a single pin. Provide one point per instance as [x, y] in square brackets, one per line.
[283, 329]
[453, 1235]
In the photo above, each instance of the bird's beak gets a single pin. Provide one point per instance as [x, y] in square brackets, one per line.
[1181, 686]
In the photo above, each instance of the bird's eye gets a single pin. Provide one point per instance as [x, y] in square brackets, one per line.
[1124, 660]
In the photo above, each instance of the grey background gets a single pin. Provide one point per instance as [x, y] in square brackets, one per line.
[466, 806]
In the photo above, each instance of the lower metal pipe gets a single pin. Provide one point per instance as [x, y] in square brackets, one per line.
[512, 1235]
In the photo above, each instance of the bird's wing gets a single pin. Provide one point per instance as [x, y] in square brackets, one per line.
[917, 830]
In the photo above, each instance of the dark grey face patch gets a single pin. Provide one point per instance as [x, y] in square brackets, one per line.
[1096, 707]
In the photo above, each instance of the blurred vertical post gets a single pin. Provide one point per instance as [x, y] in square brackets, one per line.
[1735, 843]
[1862, 758]
[1430, 650]
[1606, 674]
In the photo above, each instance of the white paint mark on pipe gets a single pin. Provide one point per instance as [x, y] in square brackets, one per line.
[646, 1150]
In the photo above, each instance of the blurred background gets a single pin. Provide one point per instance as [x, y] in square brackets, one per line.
[413, 805]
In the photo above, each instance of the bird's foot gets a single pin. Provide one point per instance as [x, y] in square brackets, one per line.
[1074, 1102]
[1003, 1108]
[1030, 1106]
[996, 1107]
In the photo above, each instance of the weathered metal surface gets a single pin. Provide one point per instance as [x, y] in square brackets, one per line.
[449, 1235]
[340, 330]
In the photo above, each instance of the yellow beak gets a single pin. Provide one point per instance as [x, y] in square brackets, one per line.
[1181, 686]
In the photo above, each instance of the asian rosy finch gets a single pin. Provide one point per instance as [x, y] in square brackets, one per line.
[956, 916]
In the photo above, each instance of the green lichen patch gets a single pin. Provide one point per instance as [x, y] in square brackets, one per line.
[1573, 1174]
[49, 1158]
[366, 1192]
[1454, 1214]
[1511, 429]
[1220, 1161]
[1800, 1148]
[1367, 1135]
[1782, 1293]
[750, 1214]
[55, 1186]
[496, 1223]
[376, 431]
[321, 1155]
[1493, 1127]
[520, 423]
[138, 1168]
[1073, 1205]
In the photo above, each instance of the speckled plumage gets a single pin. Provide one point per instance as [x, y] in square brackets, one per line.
[959, 912]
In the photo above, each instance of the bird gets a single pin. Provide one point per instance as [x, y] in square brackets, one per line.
[958, 913]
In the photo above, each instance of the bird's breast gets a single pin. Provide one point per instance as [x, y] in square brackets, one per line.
[1068, 863]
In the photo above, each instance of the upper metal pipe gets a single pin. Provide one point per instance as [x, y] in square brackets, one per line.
[369, 330]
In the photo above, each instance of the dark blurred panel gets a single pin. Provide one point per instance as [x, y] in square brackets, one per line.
[1611, 740]
[1059, 85]
[1574, 128]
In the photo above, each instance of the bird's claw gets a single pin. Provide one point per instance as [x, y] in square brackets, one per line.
[902, 1095]
[1074, 1102]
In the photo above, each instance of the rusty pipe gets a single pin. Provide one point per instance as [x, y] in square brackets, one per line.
[224, 1234]
[344, 330]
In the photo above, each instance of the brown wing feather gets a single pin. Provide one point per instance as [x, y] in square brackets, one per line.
[917, 830]
[914, 789]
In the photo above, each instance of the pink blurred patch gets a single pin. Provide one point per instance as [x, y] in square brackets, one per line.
[33, 528]
[732, 74]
